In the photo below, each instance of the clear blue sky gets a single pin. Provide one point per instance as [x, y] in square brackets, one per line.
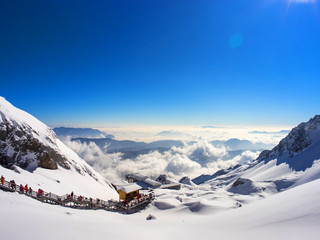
[161, 61]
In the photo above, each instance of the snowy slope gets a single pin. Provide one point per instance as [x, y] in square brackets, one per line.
[295, 158]
[300, 148]
[293, 214]
[42, 160]
[251, 182]
[294, 161]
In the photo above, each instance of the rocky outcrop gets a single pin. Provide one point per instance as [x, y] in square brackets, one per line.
[163, 179]
[299, 149]
[295, 142]
[186, 180]
[19, 146]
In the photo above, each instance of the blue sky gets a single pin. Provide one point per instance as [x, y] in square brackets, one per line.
[162, 62]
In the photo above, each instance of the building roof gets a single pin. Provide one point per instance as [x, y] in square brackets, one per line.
[128, 188]
[151, 182]
[171, 185]
[138, 176]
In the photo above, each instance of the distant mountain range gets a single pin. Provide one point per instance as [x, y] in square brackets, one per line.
[235, 144]
[173, 134]
[130, 149]
[81, 132]
[265, 132]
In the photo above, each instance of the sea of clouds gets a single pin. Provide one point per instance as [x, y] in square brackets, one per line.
[193, 159]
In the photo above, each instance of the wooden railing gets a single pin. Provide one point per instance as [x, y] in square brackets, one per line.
[82, 202]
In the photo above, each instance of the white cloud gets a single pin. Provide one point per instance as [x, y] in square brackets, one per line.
[201, 151]
[246, 157]
[195, 158]
[181, 165]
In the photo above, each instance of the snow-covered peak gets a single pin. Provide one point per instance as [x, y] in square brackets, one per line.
[18, 118]
[28, 143]
[303, 140]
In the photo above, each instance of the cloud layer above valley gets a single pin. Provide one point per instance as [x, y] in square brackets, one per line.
[262, 134]
[193, 159]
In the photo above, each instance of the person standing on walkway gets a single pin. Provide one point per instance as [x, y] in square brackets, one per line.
[2, 180]
[40, 192]
[13, 184]
[26, 188]
[21, 188]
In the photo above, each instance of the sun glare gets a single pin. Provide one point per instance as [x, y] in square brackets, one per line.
[302, 1]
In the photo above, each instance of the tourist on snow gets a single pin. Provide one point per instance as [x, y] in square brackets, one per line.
[72, 195]
[30, 190]
[13, 184]
[21, 188]
[26, 188]
[2, 180]
[40, 192]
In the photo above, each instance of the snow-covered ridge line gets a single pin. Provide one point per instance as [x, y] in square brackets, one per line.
[28, 143]
[299, 149]
[298, 139]
[16, 117]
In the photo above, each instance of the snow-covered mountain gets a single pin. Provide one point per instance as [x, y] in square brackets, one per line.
[300, 148]
[294, 161]
[32, 149]
[243, 184]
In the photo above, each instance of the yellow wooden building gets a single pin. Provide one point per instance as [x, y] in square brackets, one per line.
[128, 191]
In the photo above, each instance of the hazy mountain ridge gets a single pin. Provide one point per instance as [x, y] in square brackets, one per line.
[237, 144]
[266, 132]
[112, 145]
[80, 132]
[130, 149]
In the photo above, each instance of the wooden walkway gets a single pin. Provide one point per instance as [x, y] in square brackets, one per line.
[81, 202]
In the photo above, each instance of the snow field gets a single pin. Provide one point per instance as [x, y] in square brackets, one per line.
[293, 214]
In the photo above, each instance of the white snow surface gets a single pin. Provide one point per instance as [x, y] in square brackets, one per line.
[293, 214]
